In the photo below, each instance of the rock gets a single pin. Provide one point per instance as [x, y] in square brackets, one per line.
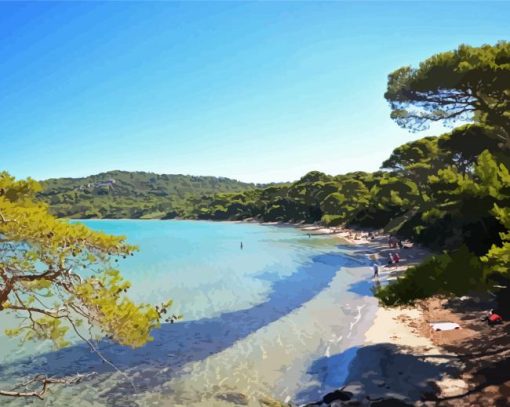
[270, 403]
[235, 398]
[336, 395]
[350, 403]
[391, 402]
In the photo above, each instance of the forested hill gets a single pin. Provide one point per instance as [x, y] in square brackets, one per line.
[125, 194]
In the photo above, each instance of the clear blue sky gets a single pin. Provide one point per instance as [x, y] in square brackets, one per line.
[254, 91]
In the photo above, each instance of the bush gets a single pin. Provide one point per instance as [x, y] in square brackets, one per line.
[453, 274]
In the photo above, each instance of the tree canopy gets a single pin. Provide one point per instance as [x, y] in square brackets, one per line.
[468, 194]
[469, 83]
[59, 278]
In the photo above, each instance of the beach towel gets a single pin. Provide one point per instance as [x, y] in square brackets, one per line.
[444, 326]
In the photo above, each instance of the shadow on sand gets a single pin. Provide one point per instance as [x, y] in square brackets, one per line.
[387, 373]
[175, 345]
[381, 371]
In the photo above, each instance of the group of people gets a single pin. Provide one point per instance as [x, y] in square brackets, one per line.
[368, 236]
[393, 261]
[394, 243]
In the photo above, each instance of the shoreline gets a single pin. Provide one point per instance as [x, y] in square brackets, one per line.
[313, 326]
[402, 360]
[397, 349]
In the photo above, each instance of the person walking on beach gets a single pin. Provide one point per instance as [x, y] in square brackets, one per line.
[376, 270]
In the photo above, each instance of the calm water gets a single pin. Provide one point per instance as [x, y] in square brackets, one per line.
[279, 318]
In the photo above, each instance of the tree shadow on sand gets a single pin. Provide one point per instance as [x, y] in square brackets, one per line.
[388, 372]
[486, 356]
[381, 371]
[177, 344]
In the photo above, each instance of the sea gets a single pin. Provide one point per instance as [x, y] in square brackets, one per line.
[269, 313]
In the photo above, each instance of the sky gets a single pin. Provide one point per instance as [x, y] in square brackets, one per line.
[256, 91]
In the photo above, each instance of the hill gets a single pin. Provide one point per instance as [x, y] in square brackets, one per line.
[125, 194]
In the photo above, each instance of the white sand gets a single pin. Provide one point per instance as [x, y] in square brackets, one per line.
[393, 326]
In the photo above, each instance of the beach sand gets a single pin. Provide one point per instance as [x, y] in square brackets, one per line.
[399, 360]
[405, 362]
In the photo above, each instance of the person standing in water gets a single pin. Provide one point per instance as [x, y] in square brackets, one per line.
[241, 245]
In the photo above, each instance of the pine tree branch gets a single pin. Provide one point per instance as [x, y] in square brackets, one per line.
[44, 382]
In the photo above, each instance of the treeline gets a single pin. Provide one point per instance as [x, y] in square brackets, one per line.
[450, 192]
[432, 190]
[465, 208]
[124, 194]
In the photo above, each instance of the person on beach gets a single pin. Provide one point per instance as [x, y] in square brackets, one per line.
[396, 259]
[493, 318]
[376, 270]
[390, 260]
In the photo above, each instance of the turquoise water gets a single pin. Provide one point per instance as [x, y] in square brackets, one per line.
[278, 318]
[201, 266]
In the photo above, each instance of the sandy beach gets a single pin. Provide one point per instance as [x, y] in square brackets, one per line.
[399, 360]
[403, 361]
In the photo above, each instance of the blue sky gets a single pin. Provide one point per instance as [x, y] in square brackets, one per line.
[263, 91]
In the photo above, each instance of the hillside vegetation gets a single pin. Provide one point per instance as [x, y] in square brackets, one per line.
[124, 194]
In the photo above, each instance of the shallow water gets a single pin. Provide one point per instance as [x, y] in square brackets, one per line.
[279, 318]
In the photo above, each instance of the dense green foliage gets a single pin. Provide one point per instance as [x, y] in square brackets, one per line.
[467, 83]
[123, 194]
[467, 198]
[455, 273]
[315, 197]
